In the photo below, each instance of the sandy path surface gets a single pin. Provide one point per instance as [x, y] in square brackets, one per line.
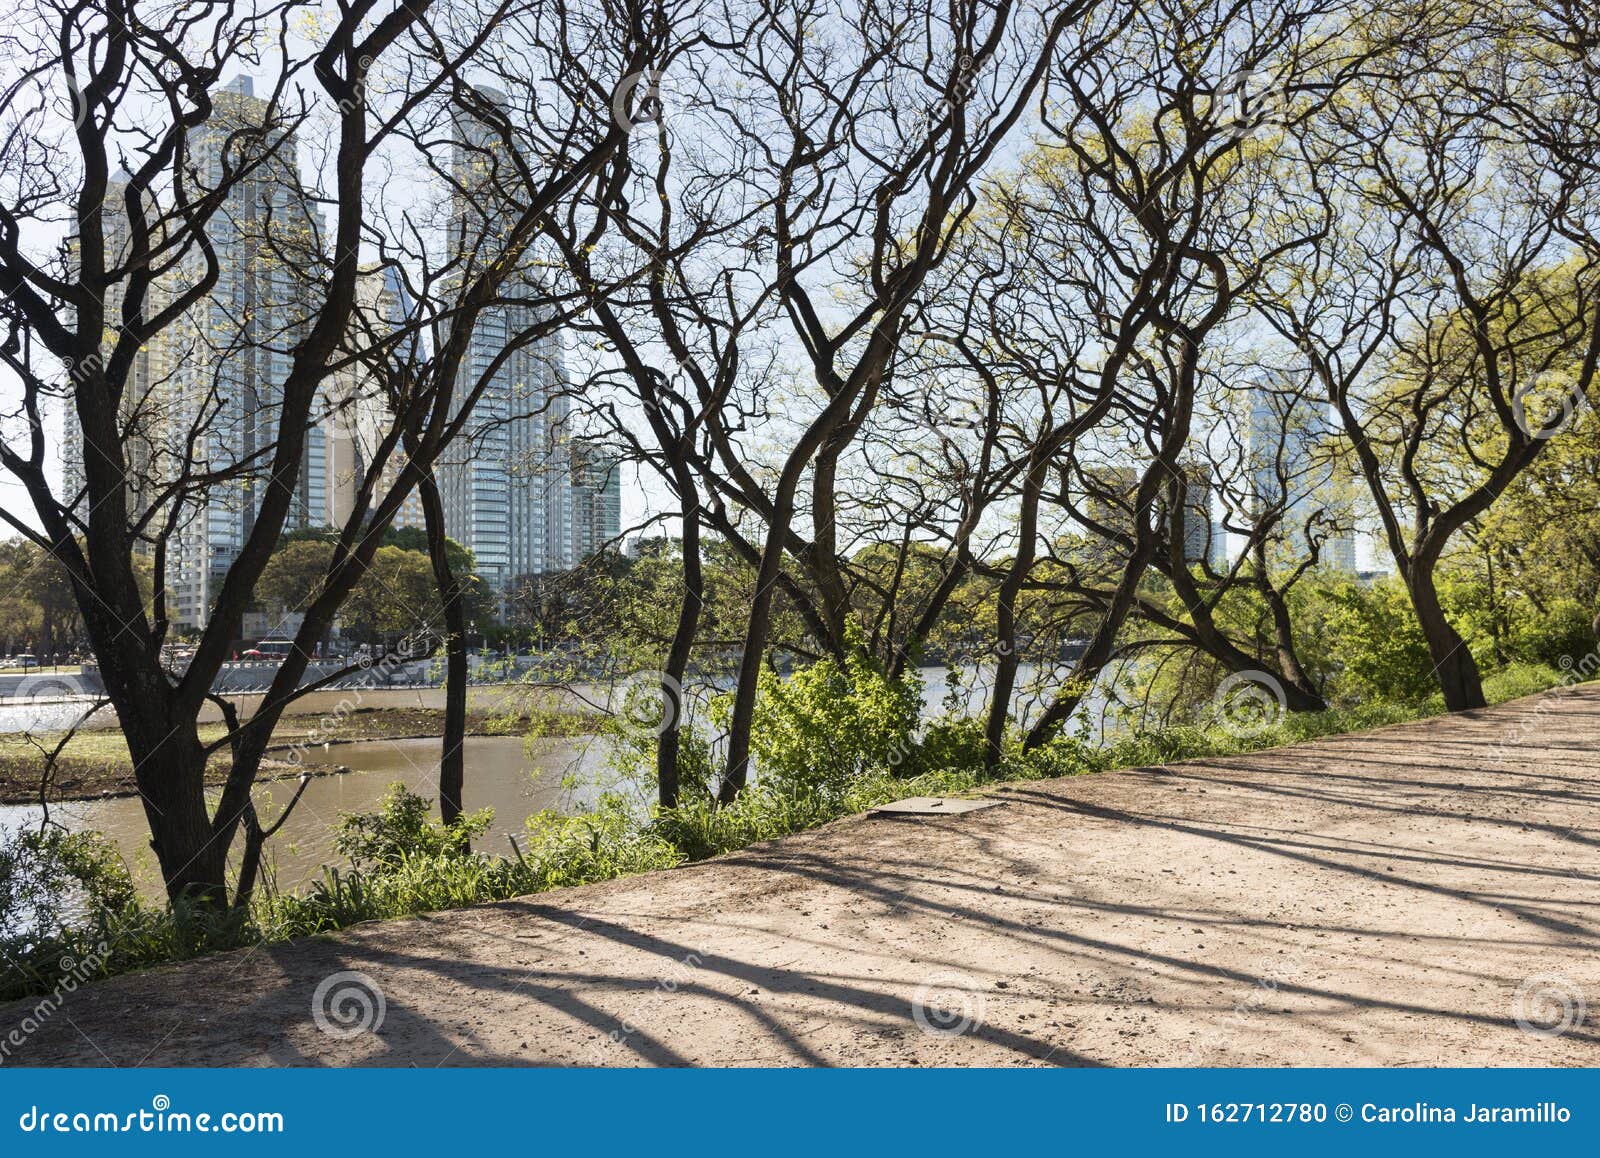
[1395, 897]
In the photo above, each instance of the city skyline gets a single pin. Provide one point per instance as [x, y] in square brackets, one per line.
[205, 391]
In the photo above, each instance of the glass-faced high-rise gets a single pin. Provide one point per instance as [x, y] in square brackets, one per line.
[505, 484]
[202, 411]
[238, 343]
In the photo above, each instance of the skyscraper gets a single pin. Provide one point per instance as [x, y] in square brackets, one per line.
[1202, 540]
[596, 498]
[142, 417]
[1295, 473]
[1111, 494]
[359, 414]
[506, 483]
[205, 397]
[228, 386]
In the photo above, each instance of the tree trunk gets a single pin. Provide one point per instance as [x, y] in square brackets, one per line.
[1453, 664]
[822, 559]
[1006, 658]
[1102, 645]
[737, 766]
[171, 777]
[670, 742]
[452, 757]
[1302, 695]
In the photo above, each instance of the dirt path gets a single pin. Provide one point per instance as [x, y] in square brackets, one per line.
[1395, 897]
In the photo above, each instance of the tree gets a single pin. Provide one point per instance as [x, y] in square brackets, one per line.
[1154, 201]
[146, 94]
[1452, 316]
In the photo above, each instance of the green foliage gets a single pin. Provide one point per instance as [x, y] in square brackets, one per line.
[1374, 644]
[38, 610]
[1543, 532]
[396, 595]
[954, 743]
[831, 723]
[405, 862]
[1559, 638]
[1517, 680]
[606, 842]
[69, 913]
[404, 826]
[48, 877]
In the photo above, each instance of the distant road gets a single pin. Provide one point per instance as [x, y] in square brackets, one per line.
[41, 683]
[1415, 895]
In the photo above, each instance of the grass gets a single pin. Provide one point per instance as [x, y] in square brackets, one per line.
[405, 863]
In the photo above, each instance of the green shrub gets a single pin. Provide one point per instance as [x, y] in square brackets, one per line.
[1516, 680]
[1564, 633]
[952, 743]
[1376, 646]
[69, 913]
[830, 723]
[404, 826]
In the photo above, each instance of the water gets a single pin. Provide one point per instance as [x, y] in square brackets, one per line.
[507, 773]
[515, 777]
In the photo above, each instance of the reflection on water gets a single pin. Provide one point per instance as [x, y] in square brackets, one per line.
[513, 776]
